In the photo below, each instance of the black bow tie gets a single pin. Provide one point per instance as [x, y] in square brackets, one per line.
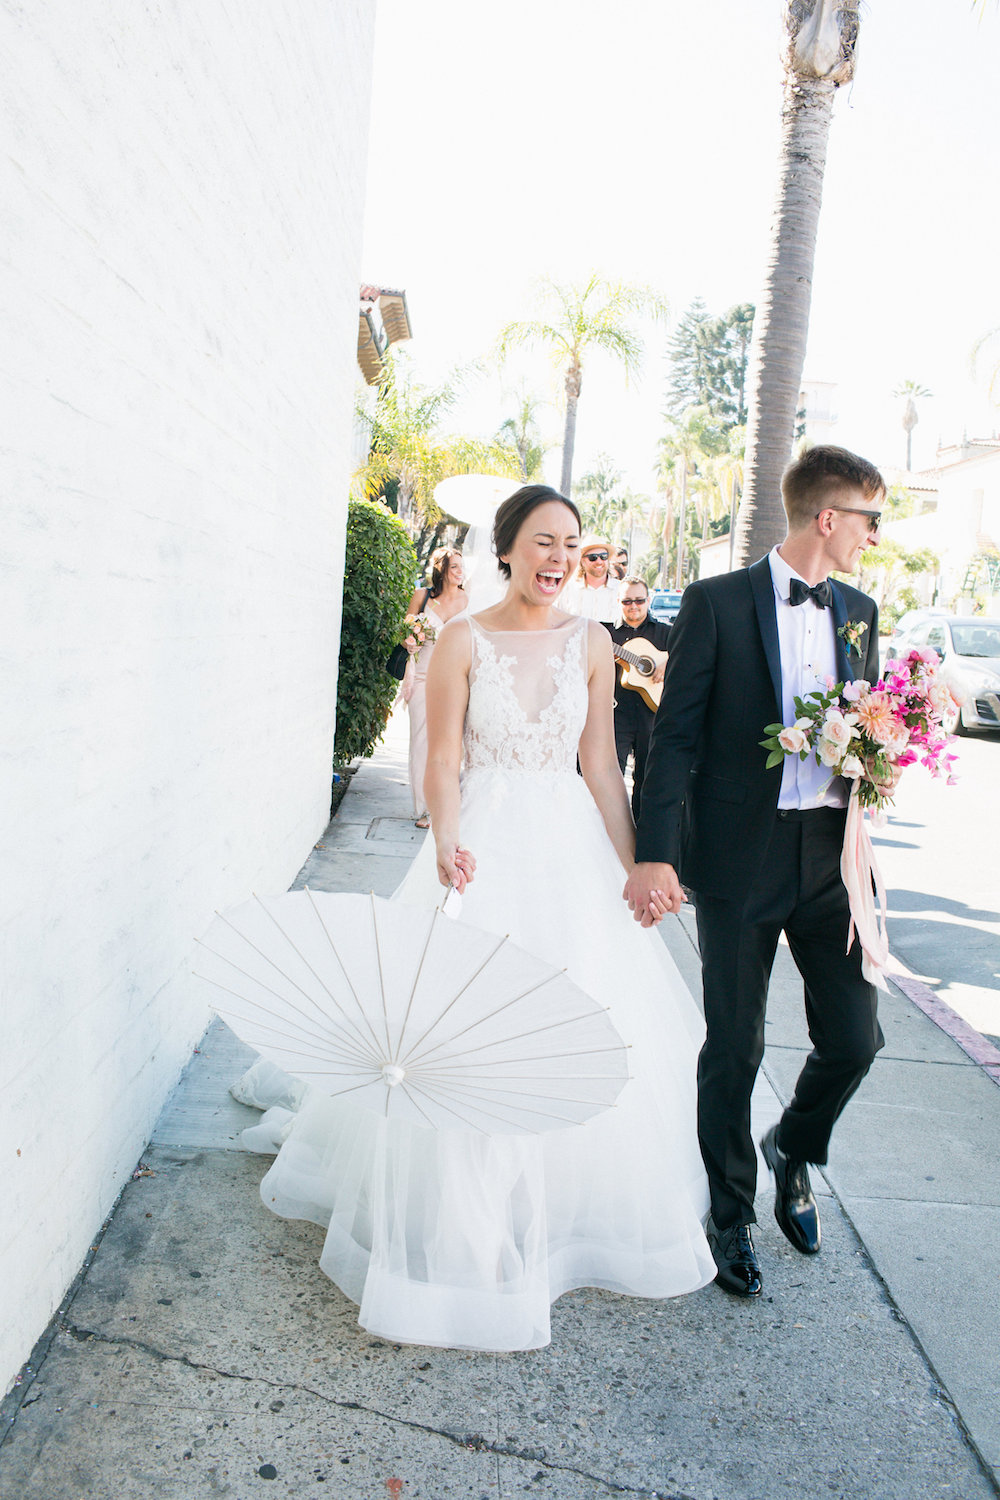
[821, 594]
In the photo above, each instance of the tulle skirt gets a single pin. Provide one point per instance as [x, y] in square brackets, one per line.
[464, 1241]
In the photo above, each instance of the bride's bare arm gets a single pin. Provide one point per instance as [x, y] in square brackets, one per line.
[447, 701]
[598, 758]
[599, 762]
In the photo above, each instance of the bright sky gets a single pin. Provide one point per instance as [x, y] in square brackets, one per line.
[639, 139]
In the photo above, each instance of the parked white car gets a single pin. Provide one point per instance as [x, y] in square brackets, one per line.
[969, 648]
[913, 617]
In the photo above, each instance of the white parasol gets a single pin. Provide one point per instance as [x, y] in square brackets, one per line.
[473, 498]
[411, 1014]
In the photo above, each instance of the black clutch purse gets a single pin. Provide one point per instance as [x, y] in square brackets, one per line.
[396, 665]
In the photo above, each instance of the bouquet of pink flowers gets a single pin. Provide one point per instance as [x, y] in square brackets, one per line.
[869, 734]
[415, 631]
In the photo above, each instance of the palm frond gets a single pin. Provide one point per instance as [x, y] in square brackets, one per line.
[526, 333]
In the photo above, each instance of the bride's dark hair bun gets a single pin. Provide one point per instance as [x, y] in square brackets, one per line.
[514, 511]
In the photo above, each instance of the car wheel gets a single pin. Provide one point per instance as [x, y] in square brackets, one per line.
[951, 721]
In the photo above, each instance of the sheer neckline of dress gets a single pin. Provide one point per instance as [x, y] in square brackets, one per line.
[429, 608]
[544, 630]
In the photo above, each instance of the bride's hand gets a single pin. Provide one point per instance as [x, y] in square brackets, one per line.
[456, 866]
[657, 908]
[651, 891]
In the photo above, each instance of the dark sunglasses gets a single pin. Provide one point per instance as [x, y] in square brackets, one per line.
[627, 602]
[595, 557]
[874, 517]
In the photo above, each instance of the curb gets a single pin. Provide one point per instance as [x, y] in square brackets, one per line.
[971, 1042]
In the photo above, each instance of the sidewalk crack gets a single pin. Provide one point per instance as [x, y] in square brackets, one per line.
[471, 1442]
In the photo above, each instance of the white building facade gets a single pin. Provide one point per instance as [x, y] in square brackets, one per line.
[183, 192]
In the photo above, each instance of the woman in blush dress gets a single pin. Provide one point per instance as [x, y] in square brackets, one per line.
[464, 1239]
[444, 599]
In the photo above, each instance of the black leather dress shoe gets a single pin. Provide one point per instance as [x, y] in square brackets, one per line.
[732, 1249]
[794, 1205]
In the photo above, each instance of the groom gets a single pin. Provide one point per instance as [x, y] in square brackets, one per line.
[761, 848]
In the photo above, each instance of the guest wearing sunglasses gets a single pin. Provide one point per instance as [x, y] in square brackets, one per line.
[633, 715]
[593, 593]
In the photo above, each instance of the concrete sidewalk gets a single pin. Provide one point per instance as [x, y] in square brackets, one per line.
[202, 1352]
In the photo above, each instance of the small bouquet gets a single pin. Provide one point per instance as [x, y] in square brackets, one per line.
[412, 632]
[415, 631]
[869, 735]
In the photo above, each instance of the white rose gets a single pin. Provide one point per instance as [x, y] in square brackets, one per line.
[792, 740]
[828, 751]
[852, 768]
[836, 729]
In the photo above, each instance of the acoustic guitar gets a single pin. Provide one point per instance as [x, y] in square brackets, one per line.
[638, 661]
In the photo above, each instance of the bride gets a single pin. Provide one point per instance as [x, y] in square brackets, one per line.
[461, 1240]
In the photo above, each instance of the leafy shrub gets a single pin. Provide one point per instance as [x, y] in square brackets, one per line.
[379, 570]
[893, 610]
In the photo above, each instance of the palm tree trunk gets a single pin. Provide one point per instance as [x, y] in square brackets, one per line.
[574, 377]
[666, 537]
[822, 36]
[681, 524]
[781, 326]
[909, 422]
[734, 506]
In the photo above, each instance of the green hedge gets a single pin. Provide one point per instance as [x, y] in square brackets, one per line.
[379, 569]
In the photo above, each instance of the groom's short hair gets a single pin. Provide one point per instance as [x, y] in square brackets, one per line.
[820, 475]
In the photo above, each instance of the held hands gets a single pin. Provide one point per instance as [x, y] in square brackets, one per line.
[455, 866]
[653, 890]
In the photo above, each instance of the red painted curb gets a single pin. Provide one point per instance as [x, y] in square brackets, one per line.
[972, 1043]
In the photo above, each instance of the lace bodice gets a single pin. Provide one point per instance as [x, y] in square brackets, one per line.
[527, 698]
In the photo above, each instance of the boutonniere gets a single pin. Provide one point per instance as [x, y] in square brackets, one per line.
[851, 634]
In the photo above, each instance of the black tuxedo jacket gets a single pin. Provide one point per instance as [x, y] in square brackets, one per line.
[708, 804]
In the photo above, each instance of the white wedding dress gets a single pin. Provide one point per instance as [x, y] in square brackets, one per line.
[463, 1241]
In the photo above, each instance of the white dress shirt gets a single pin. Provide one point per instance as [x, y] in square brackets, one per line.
[808, 650]
[578, 598]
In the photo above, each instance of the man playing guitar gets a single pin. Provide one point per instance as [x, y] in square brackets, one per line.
[633, 713]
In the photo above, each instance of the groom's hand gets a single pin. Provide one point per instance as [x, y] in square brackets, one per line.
[651, 891]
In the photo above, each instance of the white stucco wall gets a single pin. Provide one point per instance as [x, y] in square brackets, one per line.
[965, 518]
[183, 198]
[713, 557]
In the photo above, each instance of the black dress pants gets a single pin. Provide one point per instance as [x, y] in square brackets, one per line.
[633, 727]
[799, 891]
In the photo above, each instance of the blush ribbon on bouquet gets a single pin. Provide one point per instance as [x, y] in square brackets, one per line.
[865, 894]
